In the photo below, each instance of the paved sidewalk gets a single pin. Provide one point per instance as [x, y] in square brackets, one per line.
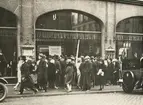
[55, 92]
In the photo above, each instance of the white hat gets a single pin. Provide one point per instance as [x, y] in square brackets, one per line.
[52, 61]
[68, 60]
[87, 57]
[72, 58]
[114, 60]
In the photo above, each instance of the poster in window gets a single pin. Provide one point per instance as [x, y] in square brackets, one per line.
[55, 50]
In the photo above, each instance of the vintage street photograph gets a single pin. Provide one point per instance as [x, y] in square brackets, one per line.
[71, 52]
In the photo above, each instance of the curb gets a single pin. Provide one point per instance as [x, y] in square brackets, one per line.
[62, 94]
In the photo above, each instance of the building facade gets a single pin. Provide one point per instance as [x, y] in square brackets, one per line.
[121, 25]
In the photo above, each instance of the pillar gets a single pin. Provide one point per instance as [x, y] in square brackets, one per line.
[110, 29]
[27, 44]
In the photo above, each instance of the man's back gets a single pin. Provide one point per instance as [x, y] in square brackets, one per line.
[25, 69]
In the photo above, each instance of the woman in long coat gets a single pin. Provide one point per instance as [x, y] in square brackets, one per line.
[69, 74]
[63, 67]
[42, 72]
[101, 74]
[51, 73]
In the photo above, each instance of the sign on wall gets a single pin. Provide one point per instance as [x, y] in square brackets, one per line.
[130, 37]
[55, 50]
[27, 52]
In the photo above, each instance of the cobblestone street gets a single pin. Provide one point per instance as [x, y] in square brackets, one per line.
[84, 99]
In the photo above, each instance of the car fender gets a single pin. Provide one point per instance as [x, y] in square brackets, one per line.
[4, 81]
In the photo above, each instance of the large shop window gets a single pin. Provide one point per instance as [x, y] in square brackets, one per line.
[8, 43]
[65, 29]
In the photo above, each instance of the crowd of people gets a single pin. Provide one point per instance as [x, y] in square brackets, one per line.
[66, 72]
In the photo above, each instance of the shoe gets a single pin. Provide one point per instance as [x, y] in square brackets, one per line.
[20, 93]
[100, 89]
[56, 87]
[78, 87]
[138, 86]
[69, 90]
[87, 90]
[45, 90]
[36, 90]
[15, 88]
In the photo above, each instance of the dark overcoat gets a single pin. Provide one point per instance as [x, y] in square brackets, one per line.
[51, 72]
[69, 73]
[86, 68]
[42, 72]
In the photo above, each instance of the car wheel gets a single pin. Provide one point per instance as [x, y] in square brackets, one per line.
[3, 91]
[128, 82]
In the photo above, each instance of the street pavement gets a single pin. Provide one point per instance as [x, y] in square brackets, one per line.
[55, 92]
[80, 99]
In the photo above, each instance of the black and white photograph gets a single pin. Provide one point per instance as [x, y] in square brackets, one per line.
[71, 52]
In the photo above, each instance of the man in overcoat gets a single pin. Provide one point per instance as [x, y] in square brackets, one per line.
[42, 72]
[140, 82]
[26, 81]
[86, 69]
[2, 63]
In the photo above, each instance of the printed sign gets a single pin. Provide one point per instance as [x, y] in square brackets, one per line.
[55, 50]
[27, 52]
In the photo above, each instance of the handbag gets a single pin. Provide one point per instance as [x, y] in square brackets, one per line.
[34, 78]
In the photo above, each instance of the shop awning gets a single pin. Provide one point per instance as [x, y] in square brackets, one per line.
[46, 34]
[129, 36]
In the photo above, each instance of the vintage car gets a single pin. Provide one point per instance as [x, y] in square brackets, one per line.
[3, 89]
[131, 74]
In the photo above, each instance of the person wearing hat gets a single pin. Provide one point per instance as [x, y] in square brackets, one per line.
[69, 74]
[93, 74]
[81, 73]
[116, 68]
[63, 67]
[20, 62]
[101, 73]
[42, 72]
[51, 73]
[86, 68]
[58, 72]
[140, 82]
[25, 77]
[78, 73]
[3, 63]
[75, 69]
